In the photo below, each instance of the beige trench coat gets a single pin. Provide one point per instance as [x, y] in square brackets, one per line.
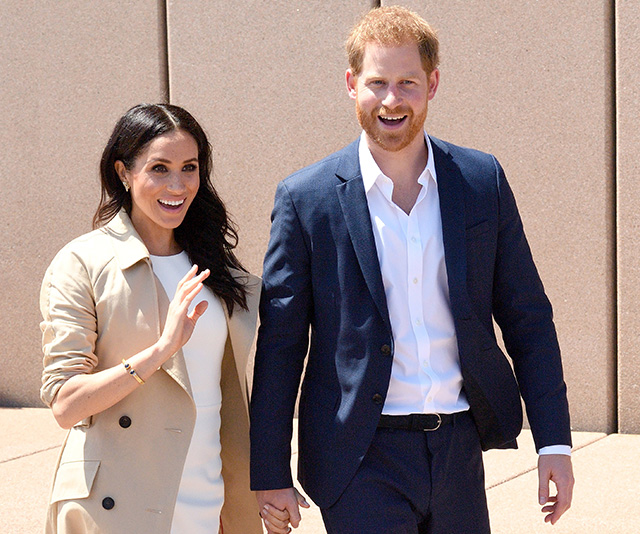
[119, 471]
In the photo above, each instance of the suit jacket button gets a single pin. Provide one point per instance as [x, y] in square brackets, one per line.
[377, 398]
[108, 503]
[385, 349]
[125, 421]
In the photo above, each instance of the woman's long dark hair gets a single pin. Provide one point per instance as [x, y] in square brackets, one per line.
[206, 234]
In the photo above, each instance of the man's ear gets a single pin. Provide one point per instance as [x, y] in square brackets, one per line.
[434, 80]
[351, 80]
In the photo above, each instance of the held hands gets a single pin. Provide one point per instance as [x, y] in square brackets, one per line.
[279, 507]
[556, 468]
[180, 323]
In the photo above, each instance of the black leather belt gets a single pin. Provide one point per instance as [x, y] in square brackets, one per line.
[426, 422]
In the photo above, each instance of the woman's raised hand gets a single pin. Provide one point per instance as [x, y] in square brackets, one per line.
[180, 323]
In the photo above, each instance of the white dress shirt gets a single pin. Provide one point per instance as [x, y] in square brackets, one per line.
[425, 375]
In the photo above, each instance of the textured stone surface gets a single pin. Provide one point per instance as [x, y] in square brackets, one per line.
[605, 500]
[267, 82]
[511, 482]
[628, 199]
[68, 73]
[532, 83]
[36, 424]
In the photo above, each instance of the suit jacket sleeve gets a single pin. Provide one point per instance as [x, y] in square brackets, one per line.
[525, 317]
[283, 338]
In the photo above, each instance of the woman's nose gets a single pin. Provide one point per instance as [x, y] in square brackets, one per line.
[176, 182]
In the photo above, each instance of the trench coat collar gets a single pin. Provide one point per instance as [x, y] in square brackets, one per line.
[129, 248]
[242, 327]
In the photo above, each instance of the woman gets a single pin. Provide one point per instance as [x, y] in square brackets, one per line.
[152, 388]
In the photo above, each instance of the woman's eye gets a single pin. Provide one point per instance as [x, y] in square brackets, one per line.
[190, 167]
[159, 168]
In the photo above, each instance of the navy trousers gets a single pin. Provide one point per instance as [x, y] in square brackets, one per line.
[415, 482]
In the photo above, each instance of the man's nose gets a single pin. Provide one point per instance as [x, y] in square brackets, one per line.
[392, 97]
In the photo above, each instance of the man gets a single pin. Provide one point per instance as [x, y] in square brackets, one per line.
[397, 253]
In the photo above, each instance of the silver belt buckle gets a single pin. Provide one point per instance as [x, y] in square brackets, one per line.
[437, 426]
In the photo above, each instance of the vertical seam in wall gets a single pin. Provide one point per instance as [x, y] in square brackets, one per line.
[614, 163]
[376, 3]
[163, 45]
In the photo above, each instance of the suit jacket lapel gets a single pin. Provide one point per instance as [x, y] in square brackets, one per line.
[355, 210]
[451, 193]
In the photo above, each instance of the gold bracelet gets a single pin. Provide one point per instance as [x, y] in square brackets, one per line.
[132, 371]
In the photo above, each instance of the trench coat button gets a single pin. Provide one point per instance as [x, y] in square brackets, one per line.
[108, 503]
[377, 398]
[125, 421]
[385, 349]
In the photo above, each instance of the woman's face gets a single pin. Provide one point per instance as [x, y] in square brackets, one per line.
[164, 181]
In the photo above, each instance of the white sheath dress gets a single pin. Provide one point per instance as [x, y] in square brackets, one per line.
[201, 492]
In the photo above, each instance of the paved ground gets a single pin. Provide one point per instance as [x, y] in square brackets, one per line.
[606, 500]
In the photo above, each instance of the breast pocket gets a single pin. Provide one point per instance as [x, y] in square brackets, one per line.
[477, 229]
[74, 480]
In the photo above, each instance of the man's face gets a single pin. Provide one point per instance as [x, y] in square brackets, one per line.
[392, 94]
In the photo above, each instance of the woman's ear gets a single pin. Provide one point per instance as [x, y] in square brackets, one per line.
[122, 174]
[121, 170]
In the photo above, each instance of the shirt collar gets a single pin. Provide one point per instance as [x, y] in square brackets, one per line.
[371, 173]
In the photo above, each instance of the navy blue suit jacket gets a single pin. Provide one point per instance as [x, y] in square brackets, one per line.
[323, 295]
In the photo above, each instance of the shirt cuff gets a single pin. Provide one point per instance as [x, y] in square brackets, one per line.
[555, 449]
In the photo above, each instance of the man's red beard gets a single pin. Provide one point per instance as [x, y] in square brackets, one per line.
[391, 141]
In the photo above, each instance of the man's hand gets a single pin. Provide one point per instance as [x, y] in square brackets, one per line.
[556, 468]
[279, 507]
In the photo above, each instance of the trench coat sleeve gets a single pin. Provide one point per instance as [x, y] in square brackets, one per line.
[69, 327]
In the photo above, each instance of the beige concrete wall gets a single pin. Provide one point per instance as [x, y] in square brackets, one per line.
[628, 220]
[69, 70]
[531, 82]
[267, 82]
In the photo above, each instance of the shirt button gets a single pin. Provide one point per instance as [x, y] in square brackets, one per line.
[385, 349]
[108, 503]
[415, 280]
[125, 421]
[413, 239]
[418, 322]
[377, 398]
